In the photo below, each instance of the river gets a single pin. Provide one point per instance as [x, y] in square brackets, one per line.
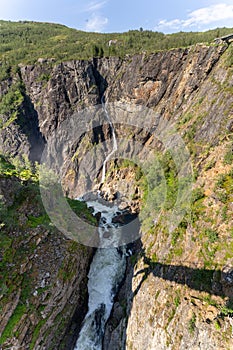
[107, 269]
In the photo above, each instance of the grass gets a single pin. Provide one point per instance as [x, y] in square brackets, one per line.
[192, 323]
[10, 104]
[159, 186]
[171, 316]
[25, 42]
[212, 235]
[14, 252]
[177, 299]
[13, 321]
[197, 194]
[210, 301]
[81, 209]
[217, 325]
[38, 221]
[224, 187]
[6, 167]
[229, 58]
[228, 157]
[36, 333]
[227, 310]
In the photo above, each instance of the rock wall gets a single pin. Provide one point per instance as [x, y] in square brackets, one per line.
[43, 275]
[172, 298]
[175, 294]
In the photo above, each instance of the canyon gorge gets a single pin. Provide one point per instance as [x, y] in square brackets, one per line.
[176, 288]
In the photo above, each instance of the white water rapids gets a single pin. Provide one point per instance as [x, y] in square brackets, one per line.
[106, 271]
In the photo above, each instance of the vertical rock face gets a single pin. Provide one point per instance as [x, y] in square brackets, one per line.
[44, 275]
[172, 297]
[166, 81]
[178, 291]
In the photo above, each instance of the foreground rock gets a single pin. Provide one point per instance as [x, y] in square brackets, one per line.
[43, 291]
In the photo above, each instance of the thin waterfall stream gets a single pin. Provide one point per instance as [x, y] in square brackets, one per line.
[107, 269]
[114, 149]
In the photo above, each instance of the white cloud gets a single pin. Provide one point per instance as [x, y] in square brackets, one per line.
[95, 6]
[96, 23]
[201, 17]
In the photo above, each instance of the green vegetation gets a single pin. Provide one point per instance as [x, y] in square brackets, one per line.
[25, 42]
[177, 298]
[224, 187]
[197, 194]
[12, 100]
[192, 323]
[19, 167]
[212, 235]
[6, 167]
[171, 316]
[23, 305]
[22, 219]
[162, 188]
[217, 325]
[15, 318]
[28, 173]
[36, 333]
[210, 301]
[229, 58]
[37, 221]
[228, 157]
[10, 103]
[81, 209]
[227, 310]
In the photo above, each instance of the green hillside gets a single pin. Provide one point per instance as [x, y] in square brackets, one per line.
[25, 42]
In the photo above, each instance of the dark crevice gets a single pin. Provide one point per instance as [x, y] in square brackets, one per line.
[29, 125]
[101, 82]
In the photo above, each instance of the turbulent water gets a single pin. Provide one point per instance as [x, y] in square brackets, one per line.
[107, 268]
[106, 272]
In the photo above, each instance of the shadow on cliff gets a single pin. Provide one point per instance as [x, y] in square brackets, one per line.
[200, 279]
[101, 82]
[28, 122]
[99, 131]
[215, 282]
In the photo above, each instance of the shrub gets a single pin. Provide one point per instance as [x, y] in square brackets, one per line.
[192, 323]
[228, 158]
[212, 235]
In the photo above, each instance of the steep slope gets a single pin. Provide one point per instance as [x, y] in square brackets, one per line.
[43, 275]
[178, 290]
[179, 293]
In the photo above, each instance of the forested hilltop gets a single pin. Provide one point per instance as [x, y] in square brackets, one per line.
[25, 42]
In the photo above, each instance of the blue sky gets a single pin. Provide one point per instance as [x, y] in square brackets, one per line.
[121, 15]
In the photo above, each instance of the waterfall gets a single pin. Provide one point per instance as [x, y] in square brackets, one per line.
[106, 271]
[114, 149]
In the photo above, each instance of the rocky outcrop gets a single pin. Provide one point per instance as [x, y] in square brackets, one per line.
[166, 81]
[43, 293]
[177, 291]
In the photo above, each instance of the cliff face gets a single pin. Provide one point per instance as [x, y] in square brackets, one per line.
[177, 283]
[176, 289]
[168, 82]
[43, 275]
